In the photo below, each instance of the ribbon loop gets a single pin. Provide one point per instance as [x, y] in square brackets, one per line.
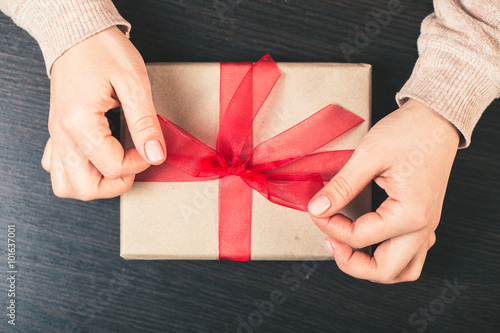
[236, 120]
[304, 138]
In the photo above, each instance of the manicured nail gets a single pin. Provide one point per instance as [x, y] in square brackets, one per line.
[319, 205]
[154, 151]
[329, 246]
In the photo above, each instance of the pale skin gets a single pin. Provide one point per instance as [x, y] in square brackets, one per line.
[409, 154]
[85, 162]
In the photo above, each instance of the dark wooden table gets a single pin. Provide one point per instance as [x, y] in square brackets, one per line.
[70, 275]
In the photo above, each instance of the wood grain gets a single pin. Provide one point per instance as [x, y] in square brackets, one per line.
[71, 278]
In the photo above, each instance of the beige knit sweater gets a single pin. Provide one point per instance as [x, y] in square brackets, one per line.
[457, 73]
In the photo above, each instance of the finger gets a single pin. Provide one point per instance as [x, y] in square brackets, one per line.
[388, 221]
[60, 184]
[46, 155]
[389, 259]
[137, 103]
[93, 137]
[414, 269]
[356, 174]
[86, 180]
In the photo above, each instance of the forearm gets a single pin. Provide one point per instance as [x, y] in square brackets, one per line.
[458, 71]
[59, 25]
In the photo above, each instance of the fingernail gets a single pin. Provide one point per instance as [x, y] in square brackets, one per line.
[329, 246]
[154, 151]
[319, 205]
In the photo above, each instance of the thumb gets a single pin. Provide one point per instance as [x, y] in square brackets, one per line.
[356, 174]
[142, 122]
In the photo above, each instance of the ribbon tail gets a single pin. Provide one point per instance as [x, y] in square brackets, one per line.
[304, 138]
[327, 164]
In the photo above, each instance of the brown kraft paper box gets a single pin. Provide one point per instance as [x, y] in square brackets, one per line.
[180, 220]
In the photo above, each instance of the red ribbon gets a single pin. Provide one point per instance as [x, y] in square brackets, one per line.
[282, 168]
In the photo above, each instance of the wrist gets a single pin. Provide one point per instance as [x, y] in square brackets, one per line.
[59, 25]
[435, 121]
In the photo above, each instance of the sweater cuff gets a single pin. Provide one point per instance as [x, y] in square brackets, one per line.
[454, 87]
[66, 23]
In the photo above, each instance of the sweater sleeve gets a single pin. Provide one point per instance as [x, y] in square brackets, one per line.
[458, 69]
[58, 25]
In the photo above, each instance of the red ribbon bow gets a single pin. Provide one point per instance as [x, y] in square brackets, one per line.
[282, 168]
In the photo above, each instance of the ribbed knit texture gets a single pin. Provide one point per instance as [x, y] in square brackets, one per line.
[57, 25]
[457, 73]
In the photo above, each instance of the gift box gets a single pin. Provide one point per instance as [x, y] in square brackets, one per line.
[244, 144]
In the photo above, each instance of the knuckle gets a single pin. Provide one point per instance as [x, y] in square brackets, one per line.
[111, 172]
[136, 73]
[343, 231]
[419, 224]
[345, 265]
[424, 222]
[413, 276]
[82, 191]
[434, 223]
[135, 81]
[324, 227]
[418, 220]
[61, 191]
[84, 194]
[72, 123]
[424, 219]
[358, 244]
[432, 240]
[127, 184]
[349, 231]
[45, 164]
[355, 243]
[430, 215]
[60, 187]
[356, 240]
[55, 128]
[328, 227]
[387, 277]
[341, 187]
[144, 124]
